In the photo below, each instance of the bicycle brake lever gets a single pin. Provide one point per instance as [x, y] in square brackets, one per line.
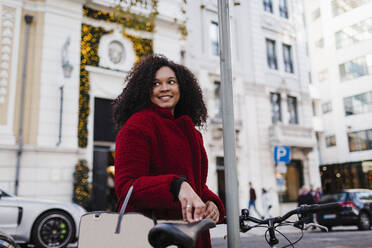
[299, 224]
[245, 228]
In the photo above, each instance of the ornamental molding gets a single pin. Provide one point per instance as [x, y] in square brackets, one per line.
[114, 26]
[6, 42]
[116, 52]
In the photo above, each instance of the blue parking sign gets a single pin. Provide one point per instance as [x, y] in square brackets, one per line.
[282, 154]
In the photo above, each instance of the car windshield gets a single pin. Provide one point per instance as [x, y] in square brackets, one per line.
[3, 193]
[367, 196]
[333, 197]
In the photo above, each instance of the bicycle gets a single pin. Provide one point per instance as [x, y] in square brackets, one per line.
[185, 235]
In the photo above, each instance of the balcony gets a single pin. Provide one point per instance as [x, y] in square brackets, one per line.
[292, 135]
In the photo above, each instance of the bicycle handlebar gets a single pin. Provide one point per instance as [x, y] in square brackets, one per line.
[303, 209]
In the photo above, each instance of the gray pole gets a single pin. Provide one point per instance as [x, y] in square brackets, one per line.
[232, 200]
[28, 19]
[61, 89]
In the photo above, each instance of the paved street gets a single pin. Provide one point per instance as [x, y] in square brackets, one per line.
[341, 238]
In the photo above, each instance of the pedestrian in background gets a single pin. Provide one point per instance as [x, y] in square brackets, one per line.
[317, 195]
[266, 203]
[252, 200]
[158, 149]
[305, 198]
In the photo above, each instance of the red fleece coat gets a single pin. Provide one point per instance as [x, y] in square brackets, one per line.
[152, 149]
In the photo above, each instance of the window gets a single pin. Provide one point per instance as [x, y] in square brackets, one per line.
[327, 107]
[292, 110]
[287, 58]
[316, 14]
[268, 6]
[215, 44]
[330, 140]
[360, 141]
[353, 34]
[355, 68]
[342, 6]
[358, 104]
[271, 54]
[217, 97]
[323, 75]
[283, 8]
[276, 111]
[310, 78]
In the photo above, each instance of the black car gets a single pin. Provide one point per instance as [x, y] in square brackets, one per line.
[355, 209]
[6, 241]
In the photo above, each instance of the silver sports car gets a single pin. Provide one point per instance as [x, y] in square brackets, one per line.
[45, 224]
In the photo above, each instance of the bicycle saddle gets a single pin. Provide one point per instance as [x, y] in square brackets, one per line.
[181, 235]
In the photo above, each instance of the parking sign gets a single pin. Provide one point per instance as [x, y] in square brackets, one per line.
[282, 154]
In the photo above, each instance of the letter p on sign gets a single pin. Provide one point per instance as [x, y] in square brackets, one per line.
[282, 154]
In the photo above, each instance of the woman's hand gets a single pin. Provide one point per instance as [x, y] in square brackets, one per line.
[212, 212]
[193, 208]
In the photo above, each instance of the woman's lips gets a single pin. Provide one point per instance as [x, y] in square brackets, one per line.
[165, 98]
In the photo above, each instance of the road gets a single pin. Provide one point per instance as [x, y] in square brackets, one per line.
[336, 239]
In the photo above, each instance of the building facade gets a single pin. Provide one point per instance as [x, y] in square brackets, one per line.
[78, 55]
[339, 43]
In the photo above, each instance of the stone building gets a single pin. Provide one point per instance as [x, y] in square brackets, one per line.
[339, 42]
[66, 116]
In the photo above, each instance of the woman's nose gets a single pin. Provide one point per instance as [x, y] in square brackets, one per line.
[164, 87]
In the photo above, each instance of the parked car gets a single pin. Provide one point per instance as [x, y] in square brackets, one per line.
[355, 209]
[46, 224]
[6, 241]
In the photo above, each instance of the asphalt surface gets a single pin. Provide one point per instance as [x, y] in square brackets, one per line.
[344, 238]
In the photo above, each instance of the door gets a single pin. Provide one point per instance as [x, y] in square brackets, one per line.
[9, 213]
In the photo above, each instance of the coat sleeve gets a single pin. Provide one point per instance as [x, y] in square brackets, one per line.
[207, 194]
[132, 166]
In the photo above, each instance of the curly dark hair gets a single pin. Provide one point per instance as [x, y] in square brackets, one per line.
[137, 93]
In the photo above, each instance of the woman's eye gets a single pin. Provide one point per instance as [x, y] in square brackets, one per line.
[172, 82]
[155, 84]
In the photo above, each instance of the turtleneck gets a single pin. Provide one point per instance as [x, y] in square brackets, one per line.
[162, 111]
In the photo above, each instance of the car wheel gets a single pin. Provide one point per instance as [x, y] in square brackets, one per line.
[53, 229]
[364, 222]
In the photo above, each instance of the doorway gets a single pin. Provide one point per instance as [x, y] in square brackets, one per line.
[221, 178]
[294, 180]
[103, 190]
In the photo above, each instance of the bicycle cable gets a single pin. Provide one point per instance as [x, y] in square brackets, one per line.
[289, 241]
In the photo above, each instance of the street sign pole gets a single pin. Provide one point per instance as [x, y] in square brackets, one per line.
[232, 200]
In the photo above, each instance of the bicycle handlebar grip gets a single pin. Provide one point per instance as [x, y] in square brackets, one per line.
[305, 209]
[328, 206]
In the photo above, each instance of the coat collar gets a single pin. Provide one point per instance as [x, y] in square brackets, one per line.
[162, 111]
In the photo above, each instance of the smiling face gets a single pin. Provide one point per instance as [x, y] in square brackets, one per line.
[165, 90]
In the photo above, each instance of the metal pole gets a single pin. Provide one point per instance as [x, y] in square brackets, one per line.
[61, 89]
[232, 200]
[28, 19]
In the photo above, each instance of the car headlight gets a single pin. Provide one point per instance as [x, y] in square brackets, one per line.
[5, 244]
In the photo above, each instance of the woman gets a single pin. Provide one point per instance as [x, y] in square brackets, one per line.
[158, 149]
[266, 203]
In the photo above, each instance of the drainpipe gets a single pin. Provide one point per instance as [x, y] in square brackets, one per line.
[28, 19]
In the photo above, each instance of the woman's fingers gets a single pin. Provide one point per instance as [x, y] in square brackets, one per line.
[212, 211]
[189, 213]
[193, 208]
[183, 205]
[199, 211]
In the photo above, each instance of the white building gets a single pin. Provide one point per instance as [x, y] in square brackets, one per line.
[341, 55]
[270, 80]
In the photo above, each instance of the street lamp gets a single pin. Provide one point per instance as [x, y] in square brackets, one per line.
[67, 69]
